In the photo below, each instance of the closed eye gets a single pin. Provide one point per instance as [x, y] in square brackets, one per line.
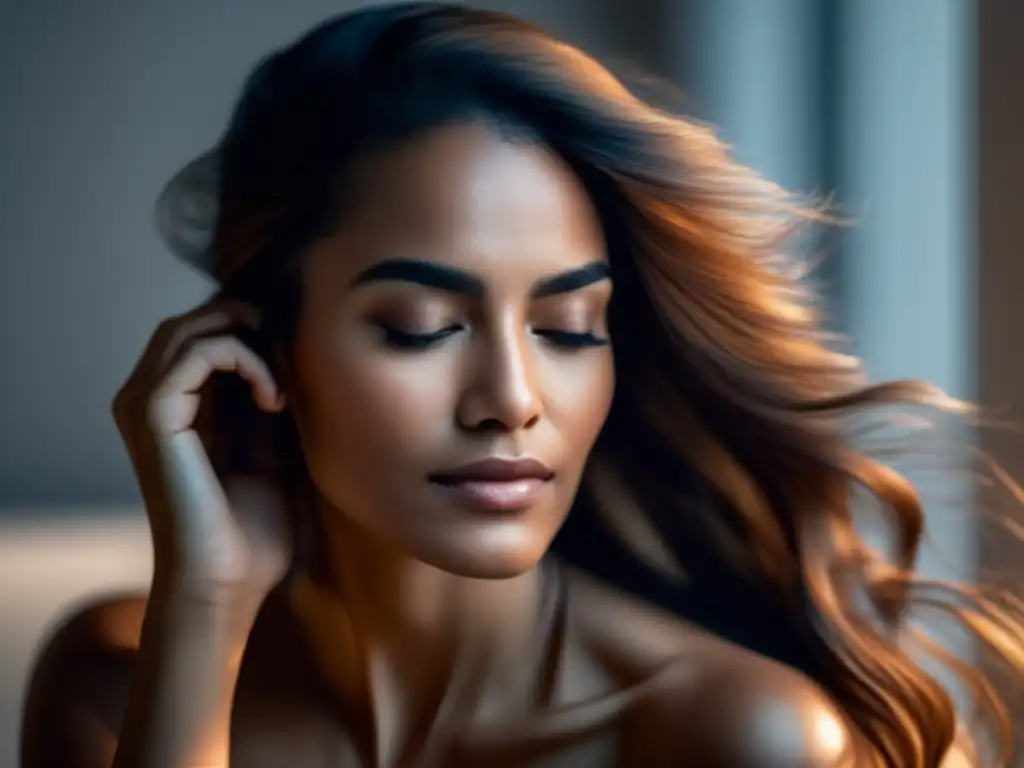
[571, 340]
[403, 340]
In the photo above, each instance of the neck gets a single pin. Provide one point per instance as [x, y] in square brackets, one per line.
[413, 647]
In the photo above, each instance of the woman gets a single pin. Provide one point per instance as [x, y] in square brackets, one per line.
[418, 215]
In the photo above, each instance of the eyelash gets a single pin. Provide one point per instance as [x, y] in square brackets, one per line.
[570, 340]
[417, 342]
[414, 342]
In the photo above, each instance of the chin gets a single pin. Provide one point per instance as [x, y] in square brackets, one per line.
[496, 570]
[487, 560]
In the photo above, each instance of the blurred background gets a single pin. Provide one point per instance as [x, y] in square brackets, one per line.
[911, 111]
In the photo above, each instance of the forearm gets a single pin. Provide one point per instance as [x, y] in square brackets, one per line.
[179, 710]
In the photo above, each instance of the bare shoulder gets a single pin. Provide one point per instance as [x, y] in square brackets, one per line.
[79, 687]
[705, 700]
[732, 709]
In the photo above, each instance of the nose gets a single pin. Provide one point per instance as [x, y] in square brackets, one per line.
[503, 393]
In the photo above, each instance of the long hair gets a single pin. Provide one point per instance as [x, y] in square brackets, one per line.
[726, 454]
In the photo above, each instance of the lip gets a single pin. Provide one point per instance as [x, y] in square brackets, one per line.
[496, 469]
[495, 483]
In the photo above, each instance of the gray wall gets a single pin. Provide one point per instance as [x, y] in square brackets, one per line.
[1000, 284]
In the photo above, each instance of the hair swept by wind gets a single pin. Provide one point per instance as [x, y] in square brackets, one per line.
[728, 443]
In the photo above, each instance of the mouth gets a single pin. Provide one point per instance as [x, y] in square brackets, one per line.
[495, 484]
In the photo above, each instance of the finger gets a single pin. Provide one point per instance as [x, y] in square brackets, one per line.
[175, 401]
[218, 315]
[208, 322]
[221, 353]
[167, 345]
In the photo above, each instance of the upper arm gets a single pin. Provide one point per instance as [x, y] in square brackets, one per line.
[76, 696]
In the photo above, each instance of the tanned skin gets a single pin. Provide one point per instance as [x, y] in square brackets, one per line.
[456, 314]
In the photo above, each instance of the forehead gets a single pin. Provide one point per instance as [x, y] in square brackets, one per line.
[465, 196]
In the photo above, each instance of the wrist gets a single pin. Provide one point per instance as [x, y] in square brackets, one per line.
[193, 596]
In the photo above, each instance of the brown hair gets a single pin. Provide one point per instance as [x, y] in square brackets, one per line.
[729, 428]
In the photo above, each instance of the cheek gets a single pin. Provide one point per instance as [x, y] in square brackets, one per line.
[578, 395]
[369, 411]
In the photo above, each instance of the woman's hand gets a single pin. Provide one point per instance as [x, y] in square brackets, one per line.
[220, 536]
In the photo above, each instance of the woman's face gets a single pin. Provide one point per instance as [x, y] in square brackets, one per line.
[452, 364]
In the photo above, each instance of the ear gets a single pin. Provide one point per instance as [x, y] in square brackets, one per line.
[617, 508]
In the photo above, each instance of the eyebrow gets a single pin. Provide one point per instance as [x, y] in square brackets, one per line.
[454, 280]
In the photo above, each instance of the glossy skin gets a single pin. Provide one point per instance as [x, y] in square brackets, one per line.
[502, 380]
[441, 636]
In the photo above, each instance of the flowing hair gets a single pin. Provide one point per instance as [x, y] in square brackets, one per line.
[727, 462]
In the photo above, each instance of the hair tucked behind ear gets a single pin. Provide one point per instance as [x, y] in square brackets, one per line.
[729, 433]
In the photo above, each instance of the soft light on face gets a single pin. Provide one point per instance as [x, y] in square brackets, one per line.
[458, 315]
